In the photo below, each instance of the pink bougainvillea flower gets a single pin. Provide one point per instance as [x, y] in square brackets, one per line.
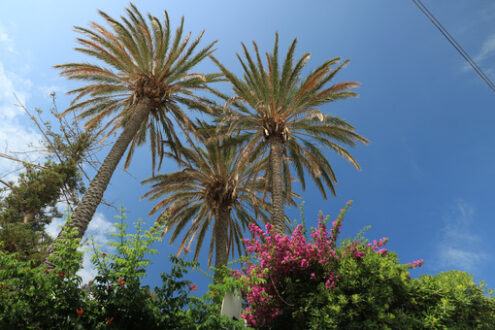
[279, 257]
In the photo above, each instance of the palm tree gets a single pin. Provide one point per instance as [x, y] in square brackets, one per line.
[140, 87]
[214, 188]
[283, 117]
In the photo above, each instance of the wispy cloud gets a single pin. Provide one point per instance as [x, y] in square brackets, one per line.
[99, 230]
[18, 136]
[15, 135]
[5, 40]
[485, 54]
[487, 49]
[460, 246]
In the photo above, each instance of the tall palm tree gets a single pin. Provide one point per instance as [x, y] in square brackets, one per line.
[214, 188]
[279, 112]
[141, 85]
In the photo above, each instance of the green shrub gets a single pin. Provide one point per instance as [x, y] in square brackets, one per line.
[292, 283]
[35, 298]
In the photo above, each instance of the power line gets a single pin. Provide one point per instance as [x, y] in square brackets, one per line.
[454, 43]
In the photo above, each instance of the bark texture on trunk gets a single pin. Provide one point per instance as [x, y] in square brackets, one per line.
[221, 239]
[277, 210]
[92, 197]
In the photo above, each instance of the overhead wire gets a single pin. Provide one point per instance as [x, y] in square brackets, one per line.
[454, 43]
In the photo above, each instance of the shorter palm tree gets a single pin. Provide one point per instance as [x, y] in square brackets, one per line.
[214, 188]
[279, 114]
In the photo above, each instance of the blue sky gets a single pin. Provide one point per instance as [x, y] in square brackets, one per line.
[428, 175]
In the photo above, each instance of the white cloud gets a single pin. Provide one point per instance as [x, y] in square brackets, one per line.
[459, 258]
[487, 49]
[99, 230]
[6, 40]
[486, 52]
[15, 135]
[54, 227]
[460, 247]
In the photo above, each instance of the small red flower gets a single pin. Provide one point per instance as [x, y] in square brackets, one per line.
[47, 271]
[193, 287]
[110, 320]
[214, 293]
[79, 311]
[121, 281]
[60, 274]
[103, 254]
[186, 251]
[110, 287]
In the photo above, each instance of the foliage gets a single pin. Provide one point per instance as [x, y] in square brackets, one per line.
[452, 300]
[212, 181]
[279, 113]
[37, 298]
[30, 203]
[295, 284]
[141, 83]
[139, 60]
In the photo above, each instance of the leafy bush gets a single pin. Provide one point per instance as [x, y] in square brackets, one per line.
[295, 284]
[289, 283]
[36, 298]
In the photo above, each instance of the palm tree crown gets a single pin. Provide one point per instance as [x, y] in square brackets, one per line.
[214, 188]
[143, 61]
[279, 111]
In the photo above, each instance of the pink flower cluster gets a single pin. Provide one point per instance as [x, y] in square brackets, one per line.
[415, 264]
[281, 257]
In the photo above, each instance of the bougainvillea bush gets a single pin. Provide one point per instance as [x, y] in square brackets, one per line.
[38, 298]
[296, 283]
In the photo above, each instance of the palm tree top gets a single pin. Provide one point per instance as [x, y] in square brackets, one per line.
[274, 102]
[278, 96]
[140, 60]
[211, 179]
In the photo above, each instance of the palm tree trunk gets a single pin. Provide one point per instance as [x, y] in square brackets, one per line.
[221, 240]
[275, 158]
[86, 208]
